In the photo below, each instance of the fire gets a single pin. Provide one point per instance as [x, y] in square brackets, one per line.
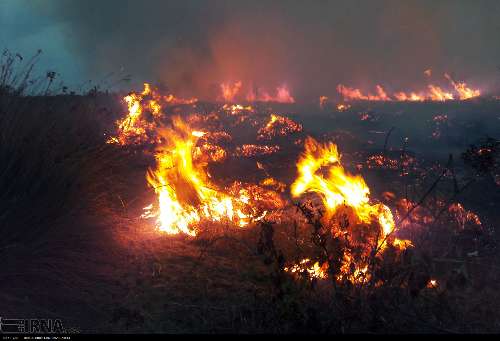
[461, 88]
[306, 266]
[273, 183]
[171, 99]
[432, 93]
[135, 126]
[345, 197]
[356, 94]
[343, 107]
[436, 94]
[185, 194]
[237, 109]
[432, 284]
[282, 96]
[231, 92]
[278, 126]
[464, 218]
[323, 100]
[338, 188]
[144, 110]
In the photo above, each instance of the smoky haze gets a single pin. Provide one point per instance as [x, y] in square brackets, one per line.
[309, 45]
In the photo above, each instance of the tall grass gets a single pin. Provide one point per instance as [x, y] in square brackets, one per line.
[56, 172]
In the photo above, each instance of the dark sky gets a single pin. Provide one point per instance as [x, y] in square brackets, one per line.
[309, 45]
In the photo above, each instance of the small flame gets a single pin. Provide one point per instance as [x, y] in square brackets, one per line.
[323, 100]
[231, 92]
[461, 88]
[433, 93]
[137, 127]
[313, 270]
[432, 284]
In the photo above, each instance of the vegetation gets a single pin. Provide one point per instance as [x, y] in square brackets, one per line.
[72, 245]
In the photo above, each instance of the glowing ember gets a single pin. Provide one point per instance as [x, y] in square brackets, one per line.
[278, 125]
[323, 100]
[306, 266]
[432, 284]
[343, 107]
[250, 150]
[463, 217]
[273, 183]
[236, 109]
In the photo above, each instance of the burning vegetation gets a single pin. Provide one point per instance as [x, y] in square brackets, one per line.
[189, 198]
[432, 93]
[232, 92]
[186, 196]
[237, 207]
[349, 216]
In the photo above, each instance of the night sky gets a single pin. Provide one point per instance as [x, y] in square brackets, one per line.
[309, 45]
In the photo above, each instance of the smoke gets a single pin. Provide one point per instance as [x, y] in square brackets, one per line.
[311, 46]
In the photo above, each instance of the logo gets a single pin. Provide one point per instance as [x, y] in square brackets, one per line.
[31, 326]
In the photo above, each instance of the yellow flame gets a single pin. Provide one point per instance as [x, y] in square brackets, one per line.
[338, 187]
[185, 194]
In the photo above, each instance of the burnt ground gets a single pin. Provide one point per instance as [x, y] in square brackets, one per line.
[73, 246]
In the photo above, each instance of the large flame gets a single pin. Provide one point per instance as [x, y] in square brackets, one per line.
[348, 194]
[338, 188]
[185, 194]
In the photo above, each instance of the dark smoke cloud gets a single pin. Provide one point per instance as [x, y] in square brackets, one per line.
[309, 45]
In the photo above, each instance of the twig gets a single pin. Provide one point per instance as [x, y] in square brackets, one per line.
[387, 140]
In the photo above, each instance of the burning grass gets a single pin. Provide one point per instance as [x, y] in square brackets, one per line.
[432, 93]
[296, 240]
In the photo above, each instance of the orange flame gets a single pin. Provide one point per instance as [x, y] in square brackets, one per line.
[185, 194]
[136, 126]
[461, 88]
[282, 96]
[339, 190]
[230, 91]
[323, 100]
[433, 93]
